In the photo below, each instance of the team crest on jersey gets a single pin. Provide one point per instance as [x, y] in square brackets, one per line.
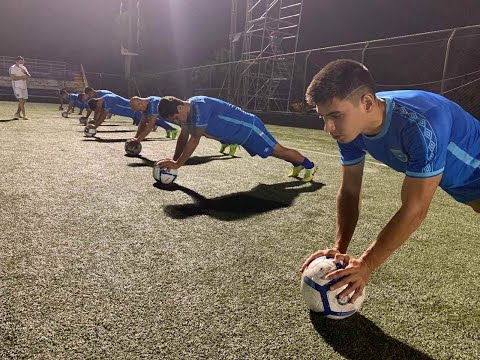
[399, 155]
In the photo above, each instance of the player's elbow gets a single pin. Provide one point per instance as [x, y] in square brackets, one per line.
[416, 213]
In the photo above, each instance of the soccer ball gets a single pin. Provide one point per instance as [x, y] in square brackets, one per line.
[83, 120]
[318, 297]
[89, 132]
[163, 176]
[133, 148]
[65, 114]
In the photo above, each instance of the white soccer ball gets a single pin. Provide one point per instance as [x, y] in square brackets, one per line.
[163, 176]
[133, 148]
[65, 114]
[318, 297]
[89, 132]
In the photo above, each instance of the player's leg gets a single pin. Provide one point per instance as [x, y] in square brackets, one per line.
[22, 107]
[262, 143]
[298, 161]
[475, 205]
[171, 131]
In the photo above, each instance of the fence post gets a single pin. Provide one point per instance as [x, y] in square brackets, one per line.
[445, 64]
[305, 72]
[363, 52]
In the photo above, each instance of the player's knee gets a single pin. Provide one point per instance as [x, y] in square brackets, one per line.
[279, 151]
[475, 205]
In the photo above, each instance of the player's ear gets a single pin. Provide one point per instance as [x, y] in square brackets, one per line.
[367, 102]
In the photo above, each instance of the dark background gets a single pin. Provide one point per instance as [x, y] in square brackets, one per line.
[179, 33]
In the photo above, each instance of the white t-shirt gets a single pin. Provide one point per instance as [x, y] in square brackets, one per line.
[17, 71]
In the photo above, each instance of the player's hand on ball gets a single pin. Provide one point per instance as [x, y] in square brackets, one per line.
[167, 164]
[329, 253]
[91, 126]
[355, 274]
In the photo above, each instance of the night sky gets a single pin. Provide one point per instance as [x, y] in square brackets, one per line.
[187, 32]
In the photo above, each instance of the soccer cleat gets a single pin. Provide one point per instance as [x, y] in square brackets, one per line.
[174, 133]
[308, 176]
[222, 148]
[25, 118]
[295, 171]
[233, 148]
[16, 116]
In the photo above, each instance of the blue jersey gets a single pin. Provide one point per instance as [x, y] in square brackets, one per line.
[425, 134]
[72, 98]
[117, 105]
[223, 121]
[101, 93]
[152, 108]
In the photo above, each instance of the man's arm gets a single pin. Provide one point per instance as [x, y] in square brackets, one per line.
[101, 117]
[348, 205]
[70, 108]
[190, 147]
[141, 126]
[147, 128]
[187, 151]
[181, 142]
[348, 210]
[417, 195]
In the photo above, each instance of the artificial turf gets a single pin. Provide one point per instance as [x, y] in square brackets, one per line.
[98, 263]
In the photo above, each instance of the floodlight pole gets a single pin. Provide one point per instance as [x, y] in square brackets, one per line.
[445, 64]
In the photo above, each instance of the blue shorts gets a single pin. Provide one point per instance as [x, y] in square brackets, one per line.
[467, 193]
[80, 105]
[260, 142]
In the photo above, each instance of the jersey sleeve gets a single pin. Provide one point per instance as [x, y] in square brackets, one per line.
[202, 112]
[351, 153]
[152, 109]
[425, 141]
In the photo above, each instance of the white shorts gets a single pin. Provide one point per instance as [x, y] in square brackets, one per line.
[20, 93]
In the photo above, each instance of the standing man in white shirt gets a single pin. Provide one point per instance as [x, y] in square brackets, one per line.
[18, 74]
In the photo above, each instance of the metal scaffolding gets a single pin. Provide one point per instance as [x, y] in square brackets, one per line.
[271, 29]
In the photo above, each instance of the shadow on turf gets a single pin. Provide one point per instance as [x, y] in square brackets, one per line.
[358, 338]
[7, 120]
[237, 206]
[194, 160]
[103, 140]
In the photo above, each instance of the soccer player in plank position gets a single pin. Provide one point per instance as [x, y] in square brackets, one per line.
[204, 116]
[150, 119]
[426, 136]
[111, 104]
[90, 93]
[73, 101]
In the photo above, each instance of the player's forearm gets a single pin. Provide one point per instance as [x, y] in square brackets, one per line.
[100, 119]
[147, 129]
[188, 150]
[89, 111]
[393, 235]
[181, 143]
[348, 210]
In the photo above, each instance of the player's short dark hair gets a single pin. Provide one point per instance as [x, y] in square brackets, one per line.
[338, 79]
[168, 106]
[92, 104]
[63, 91]
[88, 89]
[18, 58]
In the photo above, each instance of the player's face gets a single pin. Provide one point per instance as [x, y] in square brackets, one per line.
[182, 114]
[64, 96]
[344, 121]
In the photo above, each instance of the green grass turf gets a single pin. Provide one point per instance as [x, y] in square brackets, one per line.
[97, 263]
